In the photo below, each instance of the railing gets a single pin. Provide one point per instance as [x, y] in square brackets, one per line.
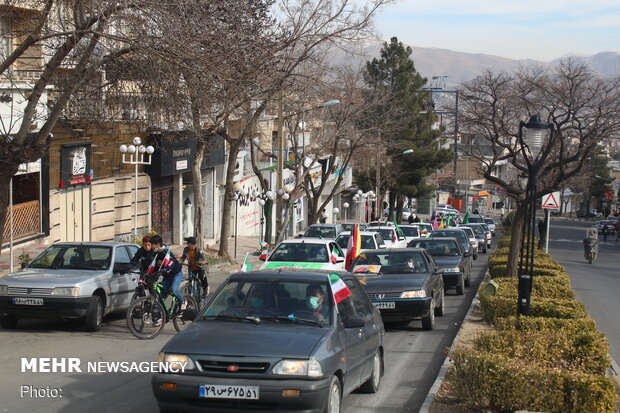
[25, 221]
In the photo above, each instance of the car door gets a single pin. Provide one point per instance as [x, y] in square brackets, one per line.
[354, 347]
[120, 287]
[371, 330]
[436, 279]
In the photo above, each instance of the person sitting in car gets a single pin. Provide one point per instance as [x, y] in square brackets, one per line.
[315, 298]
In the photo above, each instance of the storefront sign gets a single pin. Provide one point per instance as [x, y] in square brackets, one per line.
[75, 164]
[174, 153]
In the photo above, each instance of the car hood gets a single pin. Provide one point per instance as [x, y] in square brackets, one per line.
[235, 338]
[442, 261]
[45, 276]
[392, 282]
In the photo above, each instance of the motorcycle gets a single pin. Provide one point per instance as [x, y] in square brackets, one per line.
[590, 247]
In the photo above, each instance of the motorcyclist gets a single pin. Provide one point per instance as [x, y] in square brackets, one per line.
[590, 242]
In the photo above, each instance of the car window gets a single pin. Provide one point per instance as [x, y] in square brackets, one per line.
[132, 250]
[335, 247]
[300, 252]
[345, 308]
[394, 262]
[410, 231]
[489, 221]
[360, 303]
[320, 232]
[386, 233]
[343, 240]
[121, 256]
[469, 232]
[79, 257]
[438, 247]
[380, 240]
[268, 299]
[460, 235]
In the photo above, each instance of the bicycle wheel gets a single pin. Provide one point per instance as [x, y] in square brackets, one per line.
[181, 320]
[145, 318]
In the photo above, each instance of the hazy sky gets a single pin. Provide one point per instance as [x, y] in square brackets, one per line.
[537, 29]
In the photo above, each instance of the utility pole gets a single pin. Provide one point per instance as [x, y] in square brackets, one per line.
[280, 169]
[379, 199]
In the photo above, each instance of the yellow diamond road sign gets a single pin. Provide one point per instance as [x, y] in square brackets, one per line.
[551, 201]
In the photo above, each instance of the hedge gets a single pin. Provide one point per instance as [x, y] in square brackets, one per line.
[501, 306]
[542, 287]
[526, 324]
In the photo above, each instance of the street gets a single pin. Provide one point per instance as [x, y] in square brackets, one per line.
[412, 360]
[597, 284]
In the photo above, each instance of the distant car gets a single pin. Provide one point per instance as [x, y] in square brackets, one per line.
[309, 253]
[491, 223]
[402, 292]
[475, 219]
[480, 235]
[411, 232]
[601, 223]
[325, 231]
[83, 280]
[405, 215]
[370, 240]
[453, 261]
[473, 240]
[348, 226]
[457, 233]
[425, 228]
[487, 231]
[262, 344]
[390, 236]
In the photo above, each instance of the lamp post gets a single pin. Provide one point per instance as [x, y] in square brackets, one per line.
[345, 206]
[335, 211]
[136, 157]
[531, 137]
[239, 193]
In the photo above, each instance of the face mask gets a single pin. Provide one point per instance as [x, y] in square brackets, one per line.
[312, 303]
[256, 302]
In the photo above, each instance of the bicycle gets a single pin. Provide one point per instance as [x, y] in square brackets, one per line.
[193, 287]
[147, 316]
[141, 289]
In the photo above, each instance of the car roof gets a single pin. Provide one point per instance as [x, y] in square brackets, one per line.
[289, 274]
[381, 227]
[307, 240]
[448, 229]
[323, 225]
[383, 250]
[409, 226]
[436, 239]
[92, 244]
[369, 233]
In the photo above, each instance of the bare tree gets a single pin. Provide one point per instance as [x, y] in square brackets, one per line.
[582, 107]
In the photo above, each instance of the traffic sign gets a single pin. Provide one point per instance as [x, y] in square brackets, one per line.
[551, 201]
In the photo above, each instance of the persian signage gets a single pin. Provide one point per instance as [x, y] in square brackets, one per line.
[75, 159]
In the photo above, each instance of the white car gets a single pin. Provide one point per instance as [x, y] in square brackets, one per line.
[472, 239]
[310, 253]
[390, 236]
[491, 223]
[370, 240]
[411, 232]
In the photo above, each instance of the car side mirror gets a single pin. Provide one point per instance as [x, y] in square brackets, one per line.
[121, 268]
[436, 270]
[353, 322]
[467, 254]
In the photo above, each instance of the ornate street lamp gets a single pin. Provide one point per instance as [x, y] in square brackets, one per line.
[531, 137]
[346, 207]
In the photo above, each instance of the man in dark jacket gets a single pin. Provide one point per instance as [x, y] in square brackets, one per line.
[195, 261]
[144, 256]
[167, 265]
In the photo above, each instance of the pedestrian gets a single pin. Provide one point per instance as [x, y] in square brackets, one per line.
[605, 231]
[195, 261]
[501, 216]
[410, 218]
[323, 218]
[416, 219]
[542, 230]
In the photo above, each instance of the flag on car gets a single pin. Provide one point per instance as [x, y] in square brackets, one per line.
[466, 219]
[246, 264]
[353, 247]
[398, 229]
[264, 250]
[334, 256]
[339, 288]
[449, 219]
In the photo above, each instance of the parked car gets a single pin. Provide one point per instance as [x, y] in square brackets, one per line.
[258, 345]
[348, 226]
[370, 241]
[83, 280]
[403, 283]
[411, 232]
[325, 231]
[457, 233]
[390, 236]
[474, 240]
[491, 223]
[480, 235]
[405, 215]
[453, 261]
[310, 253]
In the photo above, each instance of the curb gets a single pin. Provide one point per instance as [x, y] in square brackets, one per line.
[446, 363]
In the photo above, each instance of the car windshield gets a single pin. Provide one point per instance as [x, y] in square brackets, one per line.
[460, 235]
[320, 232]
[349, 227]
[410, 231]
[386, 233]
[489, 221]
[278, 301]
[394, 262]
[477, 229]
[438, 247]
[469, 232]
[475, 220]
[75, 257]
[485, 227]
[300, 252]
[367, 241]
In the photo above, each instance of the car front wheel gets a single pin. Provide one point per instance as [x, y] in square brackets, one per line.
[373, 382]
[94, 314]
[334, 399]
[428, 321]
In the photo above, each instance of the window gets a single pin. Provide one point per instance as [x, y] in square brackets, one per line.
[359, 303]
[77, 257]
[395, 261]
[121, 257]
[5, 37]
[410, 231]
[300, 252]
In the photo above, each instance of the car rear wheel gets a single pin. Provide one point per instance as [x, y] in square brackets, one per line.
[94, 314]
[460, 285]
[373, 382]
[439, 311]
[334, 399]
[467, 280]
[428, 321]
[8, 321]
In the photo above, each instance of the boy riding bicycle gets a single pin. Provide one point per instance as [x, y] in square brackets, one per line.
[195, 262]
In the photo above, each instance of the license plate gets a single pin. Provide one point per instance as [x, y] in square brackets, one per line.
[386, 305]
[228, 392]
[27, 301]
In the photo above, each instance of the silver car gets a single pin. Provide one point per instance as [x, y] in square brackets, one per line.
[70, 280]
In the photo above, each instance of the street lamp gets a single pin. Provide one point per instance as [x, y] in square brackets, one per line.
[137, 153]
[346, 207]
[335, 211]
[531, 136]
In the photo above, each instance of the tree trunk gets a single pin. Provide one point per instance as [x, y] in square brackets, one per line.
[199, 199]
[515, 241]
[268, 211]
[233, 151]
[392, 205]
[7, 171]
[282, 232]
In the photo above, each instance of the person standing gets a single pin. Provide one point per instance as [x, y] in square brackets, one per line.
[410, 218]
[605, 231]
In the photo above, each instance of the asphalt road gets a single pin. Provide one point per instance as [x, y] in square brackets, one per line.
[412, 361]
[597, 285]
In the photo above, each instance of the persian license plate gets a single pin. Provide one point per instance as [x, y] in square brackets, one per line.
[228, 392]
[27, 301]
[385, 305]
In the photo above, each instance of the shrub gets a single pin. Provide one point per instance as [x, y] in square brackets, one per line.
[542, 287]
[527, 324]
[502, 306]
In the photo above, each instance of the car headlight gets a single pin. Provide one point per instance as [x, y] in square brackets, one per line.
[455, 269]
[70, 291]
[413, 294]
[4, 289]
[177, 361]
[310, 368]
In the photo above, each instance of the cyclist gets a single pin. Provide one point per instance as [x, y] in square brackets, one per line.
[144, 256]
[195, 260]
[169, 267]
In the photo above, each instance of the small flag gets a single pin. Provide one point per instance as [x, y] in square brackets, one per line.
[246, 264]
[264, 250]
[449, 219]
[466, 219]
[339, 288]
[167, 260]
[334, 256]
[441, 224]
[353, 247]
[398, 229]
[151, 267]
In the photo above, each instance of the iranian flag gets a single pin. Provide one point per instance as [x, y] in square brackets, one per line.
[339, 288]
[167, 260]
[353, 247]
[264, 250]
[246, 264]
[334, 256]
[151, 268]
